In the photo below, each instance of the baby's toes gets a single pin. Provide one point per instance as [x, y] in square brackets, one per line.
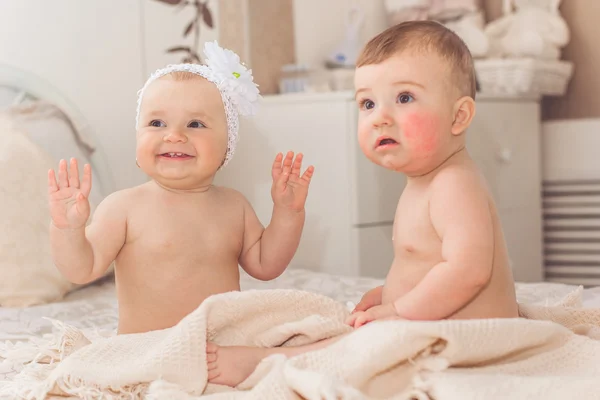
[213, 374]
[211, 358]
[211, 347]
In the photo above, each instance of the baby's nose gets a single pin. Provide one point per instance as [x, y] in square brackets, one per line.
[174, 136]
[382, 117]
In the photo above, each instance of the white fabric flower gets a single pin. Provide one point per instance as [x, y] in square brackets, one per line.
[236, 79]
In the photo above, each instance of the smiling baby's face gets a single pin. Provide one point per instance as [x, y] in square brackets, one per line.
[182, 131]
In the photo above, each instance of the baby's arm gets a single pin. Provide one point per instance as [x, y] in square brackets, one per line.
[84, 254]
[267, 252]
[460, 213]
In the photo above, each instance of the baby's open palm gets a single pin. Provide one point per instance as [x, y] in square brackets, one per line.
[290, 189]
[69, 204]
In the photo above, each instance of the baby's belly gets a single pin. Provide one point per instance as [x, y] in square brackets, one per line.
[159, 298]
[496, 300]
[403, 276]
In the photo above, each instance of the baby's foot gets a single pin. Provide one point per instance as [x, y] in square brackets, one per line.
[230, 366]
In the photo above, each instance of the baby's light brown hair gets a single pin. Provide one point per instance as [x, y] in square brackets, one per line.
[178, 76]
[426, 36]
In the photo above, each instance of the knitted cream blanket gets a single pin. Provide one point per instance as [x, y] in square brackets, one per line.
[551, 353]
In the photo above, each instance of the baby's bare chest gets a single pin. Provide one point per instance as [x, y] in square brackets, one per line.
[207, 232]
[413, 230]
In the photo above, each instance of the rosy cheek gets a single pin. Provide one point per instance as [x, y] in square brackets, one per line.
[421, 131]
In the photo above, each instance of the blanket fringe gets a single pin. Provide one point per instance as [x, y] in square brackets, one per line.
[66, 342]
[86, 391]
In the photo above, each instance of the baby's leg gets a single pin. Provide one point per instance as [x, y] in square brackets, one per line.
[231, 365]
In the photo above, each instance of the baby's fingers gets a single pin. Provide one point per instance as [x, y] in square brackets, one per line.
[63, 177]
[361, 320]
[73, 174]
[308, 174]
[352, 319]
[86, 182]
[276, 170]
[52, 185]
[287, 162]
[297, 166]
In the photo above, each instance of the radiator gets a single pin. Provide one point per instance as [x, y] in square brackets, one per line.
[572, 231]
[571, 201]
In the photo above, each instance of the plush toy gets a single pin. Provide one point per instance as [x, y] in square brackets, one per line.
[346, 53]
[534, 30]
[470, 28]
[399, 11]
[464, 17]
[447, 10]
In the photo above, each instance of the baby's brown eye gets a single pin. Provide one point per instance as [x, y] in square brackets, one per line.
[157, 124]
[405, 98]
[196, 124]
[368, 104]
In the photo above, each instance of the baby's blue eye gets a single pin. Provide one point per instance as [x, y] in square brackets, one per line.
[157, 123]
[196, 124]
[405, 98]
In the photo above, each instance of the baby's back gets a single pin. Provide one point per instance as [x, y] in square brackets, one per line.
[418, 249]
[498, 297]
[180, 249]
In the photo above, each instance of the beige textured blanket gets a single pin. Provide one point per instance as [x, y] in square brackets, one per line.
[552, 353]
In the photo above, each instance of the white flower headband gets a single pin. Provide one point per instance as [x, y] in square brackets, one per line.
[239, 93]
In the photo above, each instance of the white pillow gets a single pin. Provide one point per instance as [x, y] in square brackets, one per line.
[47, 125]
[8, 96]
[28, 275]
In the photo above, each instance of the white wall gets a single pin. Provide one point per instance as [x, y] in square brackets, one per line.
[163, 27]
[320, 25]
[98, 53]
[91, 52]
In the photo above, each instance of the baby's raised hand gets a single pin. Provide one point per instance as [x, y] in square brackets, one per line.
[69, 204]
[290, 189]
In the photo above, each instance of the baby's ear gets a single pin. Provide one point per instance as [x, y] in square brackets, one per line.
[464, 111]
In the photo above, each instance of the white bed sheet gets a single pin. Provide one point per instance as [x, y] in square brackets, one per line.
[95, 307]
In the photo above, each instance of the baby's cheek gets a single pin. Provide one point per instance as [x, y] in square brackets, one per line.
[421, 132]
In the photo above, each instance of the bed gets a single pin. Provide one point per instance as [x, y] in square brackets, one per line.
[94, 306]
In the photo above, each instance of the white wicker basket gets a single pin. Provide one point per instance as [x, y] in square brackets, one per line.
[523, 76]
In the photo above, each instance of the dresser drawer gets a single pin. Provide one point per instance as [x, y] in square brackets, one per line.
[504, 142]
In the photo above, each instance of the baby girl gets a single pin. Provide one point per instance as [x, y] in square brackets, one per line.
[178, 239]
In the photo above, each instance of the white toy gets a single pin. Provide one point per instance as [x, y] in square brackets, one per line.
[470, 28]
[347, 52]
[464, 17]
[446, 10]
[535, 30]
[399, 11]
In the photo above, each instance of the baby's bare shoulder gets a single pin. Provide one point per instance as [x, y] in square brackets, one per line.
[230, 196]
[127, 197]
[459, 178]
[123, 200]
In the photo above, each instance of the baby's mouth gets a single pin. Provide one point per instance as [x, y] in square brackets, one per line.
[175, 155]
[386, 141]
